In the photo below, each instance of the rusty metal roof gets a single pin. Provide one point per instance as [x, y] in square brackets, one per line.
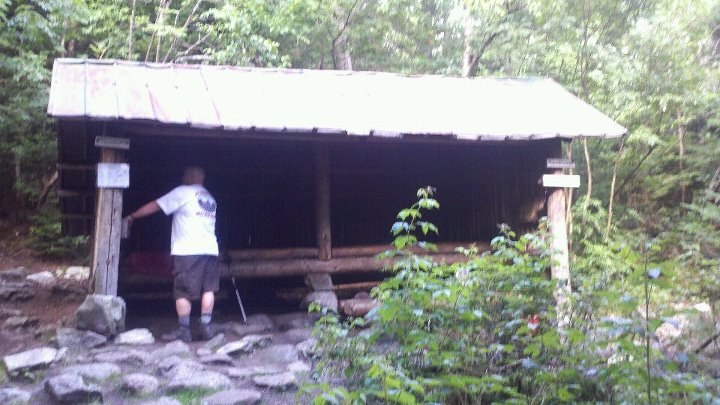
[322, 101]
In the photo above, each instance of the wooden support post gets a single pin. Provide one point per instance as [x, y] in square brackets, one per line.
[556, 210]
[322, 202]
[107, 233]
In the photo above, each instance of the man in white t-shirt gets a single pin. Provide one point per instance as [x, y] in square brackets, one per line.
[194, 248]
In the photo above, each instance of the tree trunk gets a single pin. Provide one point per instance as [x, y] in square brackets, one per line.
[612, 189]
[130, 31]
[588, 165]
[568, 199]
[681, 153]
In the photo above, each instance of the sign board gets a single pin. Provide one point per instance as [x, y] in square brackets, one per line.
[560, 164]
[112, 142]
[561, 180]
[113, 175]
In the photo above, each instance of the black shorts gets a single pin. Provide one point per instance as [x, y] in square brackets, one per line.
[195, 275]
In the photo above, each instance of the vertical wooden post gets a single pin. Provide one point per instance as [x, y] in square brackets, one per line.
[557, 214]
[322, 202]
[560, 268]
[107, 232]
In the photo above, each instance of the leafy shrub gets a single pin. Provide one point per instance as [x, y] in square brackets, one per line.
[486, 329]
[47, 240]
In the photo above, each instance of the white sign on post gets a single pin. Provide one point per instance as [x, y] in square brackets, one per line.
[113, 175]
[561, 180]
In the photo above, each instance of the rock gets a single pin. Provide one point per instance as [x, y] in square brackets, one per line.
[78, 340]
[9, 312]
[215, 343]
[104, 314]
[71, 389]
[176, 348]
[319, 281]
[216, 359]
[97, 372]
[16, 274]
[77, 273]
[166, 364]
[17, 322]
[202, 352]
[361, 295]
[307, 347]
[203, 380]
[44, 278]
[135, 337]
[357, 307]
[298, 367]
[245, 345]
[233, 397]
[60, 355]
[184, 369]
[275, 354]
[30, 359]
[14, 396]
[255, 324]
[139, 384]
[296, 335]
[326, 299]
[15, 292]
[295, 320]
[245, 372]
[131, 357]
[162, 401]
[276, 381]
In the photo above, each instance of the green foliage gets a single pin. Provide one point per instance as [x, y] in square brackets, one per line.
[47, 240]
[486, 329]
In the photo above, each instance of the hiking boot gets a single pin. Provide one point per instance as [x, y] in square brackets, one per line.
[181, 333]
[207, 331]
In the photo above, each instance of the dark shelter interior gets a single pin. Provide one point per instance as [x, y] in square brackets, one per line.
[265, 187]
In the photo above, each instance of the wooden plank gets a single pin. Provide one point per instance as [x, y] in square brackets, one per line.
[352, 251]
[554, 163]
[112, 142]
[106, 238]
[296, 267]
[561, 180]
[322, 202]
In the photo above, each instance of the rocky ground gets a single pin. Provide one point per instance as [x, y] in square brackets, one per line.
[261, 361]
[46, 360]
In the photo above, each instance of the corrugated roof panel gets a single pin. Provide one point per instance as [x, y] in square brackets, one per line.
[326, 102]
[67, 97]
[168, 104]
[132, 93]
[101, 97]
[200, 106]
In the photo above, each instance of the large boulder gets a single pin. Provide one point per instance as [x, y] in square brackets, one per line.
[139, 384]
[71, 389]
[97, 372]
[14, 291]
[104, 314]
[276, 381]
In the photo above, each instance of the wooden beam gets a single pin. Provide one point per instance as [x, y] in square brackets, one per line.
[322, 202]
[296, 267]
[106, 238]
[560, 267]
[352, 251]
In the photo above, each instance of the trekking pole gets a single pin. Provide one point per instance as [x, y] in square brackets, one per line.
[237, 294]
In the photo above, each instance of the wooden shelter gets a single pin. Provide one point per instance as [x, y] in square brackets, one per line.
[309, 167]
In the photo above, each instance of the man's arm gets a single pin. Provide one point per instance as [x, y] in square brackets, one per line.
[147, 209]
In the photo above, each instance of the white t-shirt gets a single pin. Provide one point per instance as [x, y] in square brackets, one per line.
[193, 225]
